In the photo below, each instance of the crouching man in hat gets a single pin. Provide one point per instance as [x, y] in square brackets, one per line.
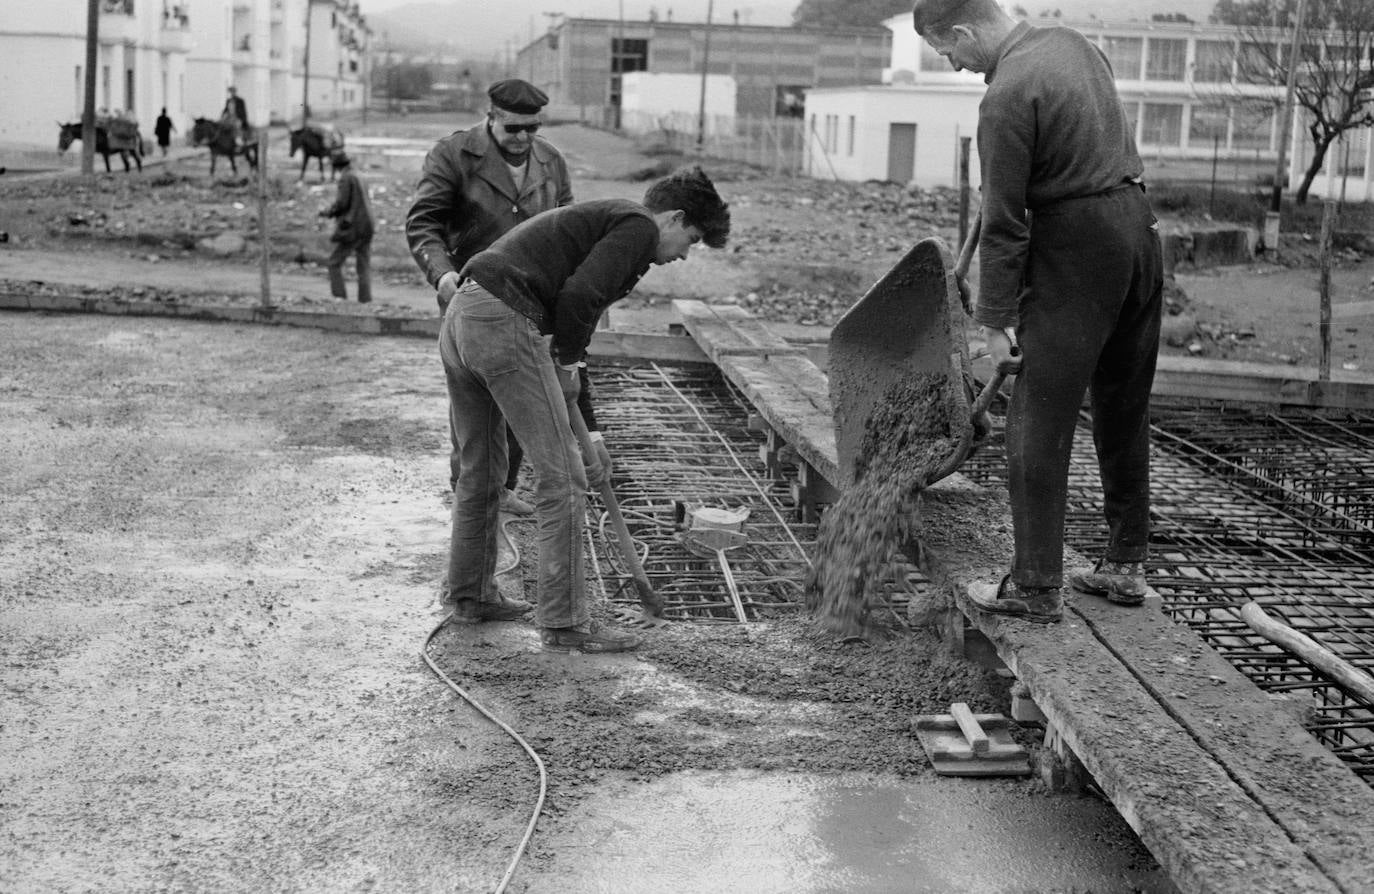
[477, 184]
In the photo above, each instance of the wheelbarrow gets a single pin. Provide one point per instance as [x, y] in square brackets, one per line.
[910, 324]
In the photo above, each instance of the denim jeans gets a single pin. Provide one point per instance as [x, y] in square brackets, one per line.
[499, 372]
[1089, 320]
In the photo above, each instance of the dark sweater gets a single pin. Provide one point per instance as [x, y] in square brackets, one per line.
[564, 267]
[1050, 128]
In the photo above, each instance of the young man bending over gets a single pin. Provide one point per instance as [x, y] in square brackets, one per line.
[511, 340]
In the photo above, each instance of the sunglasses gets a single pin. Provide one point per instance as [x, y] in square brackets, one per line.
[517, 128]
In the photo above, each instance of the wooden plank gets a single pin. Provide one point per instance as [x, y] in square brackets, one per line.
[1324, 807]
[608, 344]
[723, 330]
[1209, 831]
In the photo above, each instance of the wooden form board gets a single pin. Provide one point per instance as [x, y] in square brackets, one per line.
[605, 343]
[1226, 789]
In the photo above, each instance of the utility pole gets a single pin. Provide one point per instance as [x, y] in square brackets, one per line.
[618, 64]
[88, 101]
[705, 67]
[305, 90]
[1286, 125]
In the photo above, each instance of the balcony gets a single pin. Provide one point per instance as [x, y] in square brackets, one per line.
[117, 23]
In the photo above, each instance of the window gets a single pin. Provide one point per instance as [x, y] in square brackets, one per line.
[1124, 55]
[629, 54]
[1166, 60]
[1254, 129]
[80, 91]
[1207, 126]
[1163, 124]
[1212, 65]
[851, 135]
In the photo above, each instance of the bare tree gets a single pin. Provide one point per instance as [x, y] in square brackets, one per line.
[1334, 85]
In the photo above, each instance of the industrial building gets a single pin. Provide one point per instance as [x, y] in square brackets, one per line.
[579, 62]
[182, 56]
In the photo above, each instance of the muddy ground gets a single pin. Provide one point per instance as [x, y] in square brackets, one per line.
[218, 553]
[802, 250]
[217, 565]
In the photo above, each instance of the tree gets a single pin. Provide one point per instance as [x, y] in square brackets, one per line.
[829, 13]
[1334, 85]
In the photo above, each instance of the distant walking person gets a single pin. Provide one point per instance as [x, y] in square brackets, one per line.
[163, 131]
[352, 232]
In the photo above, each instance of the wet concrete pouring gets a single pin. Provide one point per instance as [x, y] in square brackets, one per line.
[220, 550]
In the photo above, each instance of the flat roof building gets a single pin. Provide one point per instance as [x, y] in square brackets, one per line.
[579, 62]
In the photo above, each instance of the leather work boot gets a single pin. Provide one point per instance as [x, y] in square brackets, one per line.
[470, 611]
[593, 636]
[513, 505]
[1039, 605]
[1121, 582]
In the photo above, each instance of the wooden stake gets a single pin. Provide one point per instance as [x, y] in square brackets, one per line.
[1328, 224]
[264, 240]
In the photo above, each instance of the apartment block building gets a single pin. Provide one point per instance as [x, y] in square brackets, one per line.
[181, 55]
[1179, 83]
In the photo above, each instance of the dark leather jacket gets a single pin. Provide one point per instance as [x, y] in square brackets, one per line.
[466, 198]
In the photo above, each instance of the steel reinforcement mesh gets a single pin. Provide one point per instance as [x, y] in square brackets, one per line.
[1256, 504]
[679, 438]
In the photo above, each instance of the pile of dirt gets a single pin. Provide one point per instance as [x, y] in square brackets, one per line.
[908, 438]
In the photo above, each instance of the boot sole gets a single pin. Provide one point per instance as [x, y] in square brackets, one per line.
[1109, 594]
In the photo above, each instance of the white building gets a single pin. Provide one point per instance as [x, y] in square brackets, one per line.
[1177, 82]
[260, 46]
[177, 54]
[655, 101]
[140, 65]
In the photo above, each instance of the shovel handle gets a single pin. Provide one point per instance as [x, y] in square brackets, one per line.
[970, 244]
[652, 602]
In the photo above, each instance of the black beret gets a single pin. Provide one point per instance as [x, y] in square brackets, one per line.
[931, 12]
[515, 95]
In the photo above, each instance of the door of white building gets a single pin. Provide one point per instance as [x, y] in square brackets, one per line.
[901, 152]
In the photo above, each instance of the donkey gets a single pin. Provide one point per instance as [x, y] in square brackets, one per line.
[319, 144]
[71, 132]
[219, 137]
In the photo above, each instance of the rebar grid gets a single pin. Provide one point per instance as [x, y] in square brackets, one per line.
[680, 436]
[1266, 505]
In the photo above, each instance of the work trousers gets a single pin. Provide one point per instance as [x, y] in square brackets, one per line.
[362, 251]
[1089, 319]
[499, 373]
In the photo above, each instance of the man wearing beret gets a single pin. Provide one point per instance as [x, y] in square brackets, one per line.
[475, 185]
[1070, 270]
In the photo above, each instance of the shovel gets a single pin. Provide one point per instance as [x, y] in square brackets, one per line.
[710, 532]
[650, 600]
[911, 322]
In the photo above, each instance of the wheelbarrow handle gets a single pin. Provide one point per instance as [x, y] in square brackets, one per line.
[652, 602]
